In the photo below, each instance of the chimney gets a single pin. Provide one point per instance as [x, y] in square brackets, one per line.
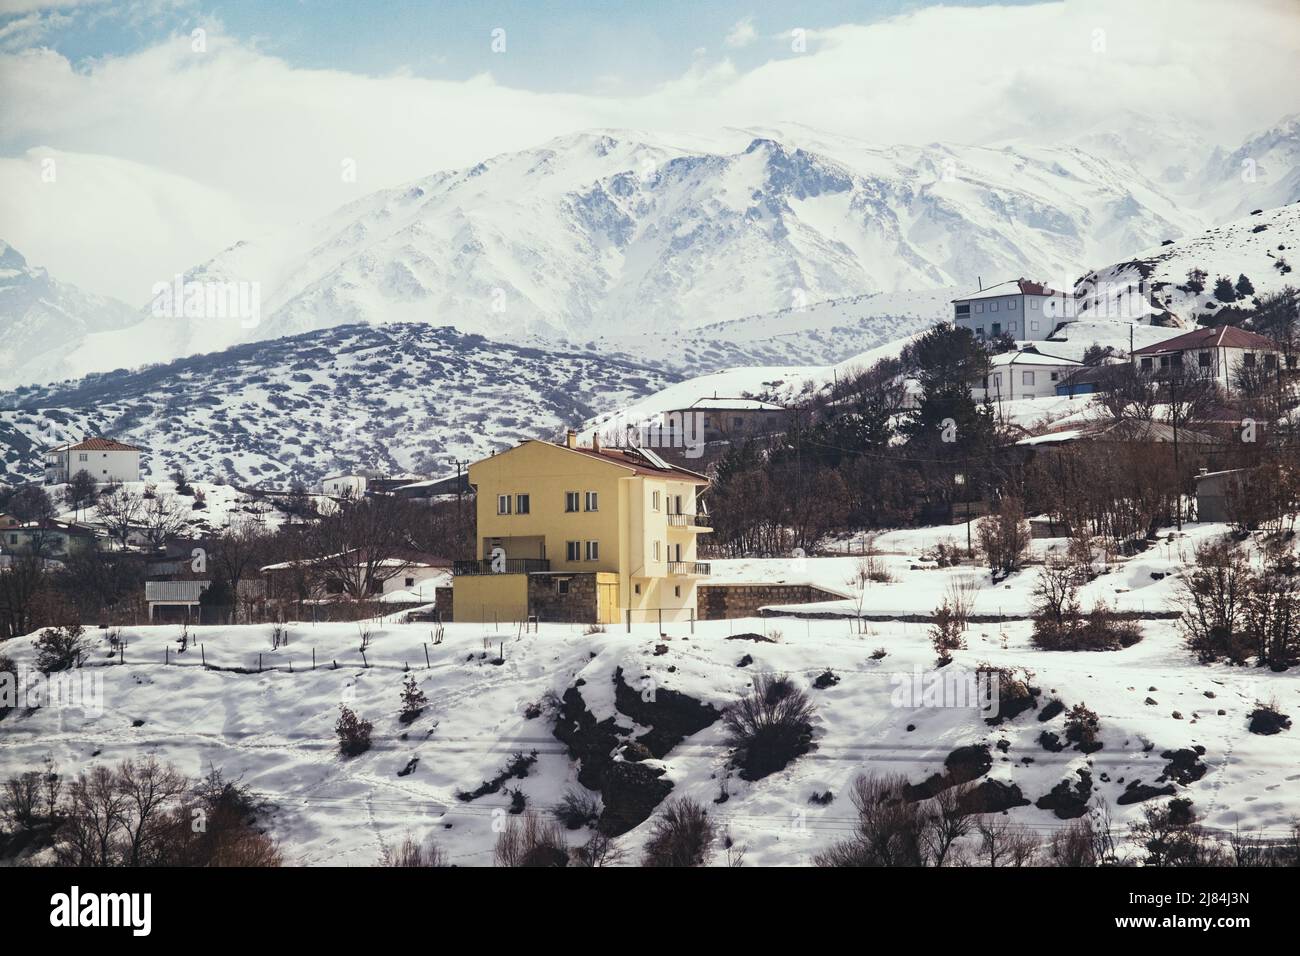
[571, 439]
[595, 441]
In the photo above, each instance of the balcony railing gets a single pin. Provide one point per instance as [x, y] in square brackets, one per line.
[694, 568]
[504, 566]
[689, 521]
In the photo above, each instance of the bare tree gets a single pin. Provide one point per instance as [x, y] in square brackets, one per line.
[121, 511]
[162, 518]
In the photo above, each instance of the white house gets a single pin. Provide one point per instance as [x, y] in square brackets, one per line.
[1024, 374]
[1220, 354]
[1027, 311]
[107, 461]
[344, 486]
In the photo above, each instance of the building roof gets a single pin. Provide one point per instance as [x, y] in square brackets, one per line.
[736, 404]
[1010, 287]
[1030, 357]
[1222, 336]
[96, 444]
[631, 459]
[1126, 430]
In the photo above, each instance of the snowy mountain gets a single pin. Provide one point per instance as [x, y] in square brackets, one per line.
[605, 234]
[40, 318]
[396, 398]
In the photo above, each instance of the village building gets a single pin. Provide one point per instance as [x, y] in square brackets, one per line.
[1222, 354]
[582, 533]
[106, 460]
[1027, 311]
[1024, 374]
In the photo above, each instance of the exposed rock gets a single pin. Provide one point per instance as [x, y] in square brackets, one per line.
[962, 765]
[1069, 798]
[1268, 722]
[1184, 765]
[826, 679]
[1051, 709]
[1137, 792]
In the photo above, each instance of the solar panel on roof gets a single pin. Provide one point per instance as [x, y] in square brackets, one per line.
[651, 458]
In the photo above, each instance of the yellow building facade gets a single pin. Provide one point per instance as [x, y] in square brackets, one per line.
[569, 532]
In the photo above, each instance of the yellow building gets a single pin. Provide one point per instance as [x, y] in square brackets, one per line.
[575, 533]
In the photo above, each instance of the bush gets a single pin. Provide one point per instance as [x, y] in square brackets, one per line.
[353, 732]
[60, 648]
[682, 835]
[890, 830]
[529, 840]
[1082, 727]
[946, 633]
[769, 727]
[577, 809]
[1004, 537]
[413, 699]
[20, 799]
[409, 853]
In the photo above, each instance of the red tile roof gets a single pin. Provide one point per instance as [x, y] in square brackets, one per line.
[1223, 336]
[97, 444]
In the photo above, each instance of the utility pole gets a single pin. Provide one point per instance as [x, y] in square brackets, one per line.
[1178, 486]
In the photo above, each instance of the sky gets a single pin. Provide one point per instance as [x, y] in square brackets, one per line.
[141, 137]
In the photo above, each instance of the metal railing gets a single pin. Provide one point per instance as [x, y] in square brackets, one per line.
[689, 521]
[698, 568]
[503, 566]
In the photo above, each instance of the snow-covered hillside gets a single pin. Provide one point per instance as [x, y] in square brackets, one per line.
[1168, 725]
[1262, 246]
[396, 398]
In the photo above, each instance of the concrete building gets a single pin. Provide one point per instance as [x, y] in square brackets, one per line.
[345, 486]
[1223, 354]
[568, 532]
[1025, 374]
[1027, 311]
[108, 461]
[721, 419]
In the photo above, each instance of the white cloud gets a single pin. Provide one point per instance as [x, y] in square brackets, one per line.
[262, 135]
[742, 34]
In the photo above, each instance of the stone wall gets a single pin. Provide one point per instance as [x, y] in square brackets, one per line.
[720, 601]
[577, 606]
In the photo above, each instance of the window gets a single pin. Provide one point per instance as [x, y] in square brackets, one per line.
[1011, 304]
[592, 501]
[993, 306]
[83, 457]
[979, 333]
[656, 550]
[1270, 360]
[1203, 359]
[636, 589]
[1033, 304]
[1011, 325]
[562, 586]
[1055, 376]
[1146, 363]
[521, 504]
[571, 501]
[410, 582]
[593, 550]
[963, 308]
[1249, 359]
[654, 500]
[997, 329]
[573, 551]
[677, 591]
[676, 504]
[503, 504]
[979, 306]
[1033, 325]
[1027, 378]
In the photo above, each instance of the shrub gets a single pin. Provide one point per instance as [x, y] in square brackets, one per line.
[1082, 727]
[577, 809]
[60, 648]
[413, 699]
[890, 829]
[409, 853]
[600, 850]
[946, 633]
[682, 835]
[769, 727]
[529, 840]
[20, 799]
[1004, 537]
[1170, 837]
[353, 732]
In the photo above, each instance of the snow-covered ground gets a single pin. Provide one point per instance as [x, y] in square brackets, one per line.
[275, 728]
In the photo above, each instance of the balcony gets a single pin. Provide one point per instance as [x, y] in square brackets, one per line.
[689, 521]
[505, 566]
[695, 569]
